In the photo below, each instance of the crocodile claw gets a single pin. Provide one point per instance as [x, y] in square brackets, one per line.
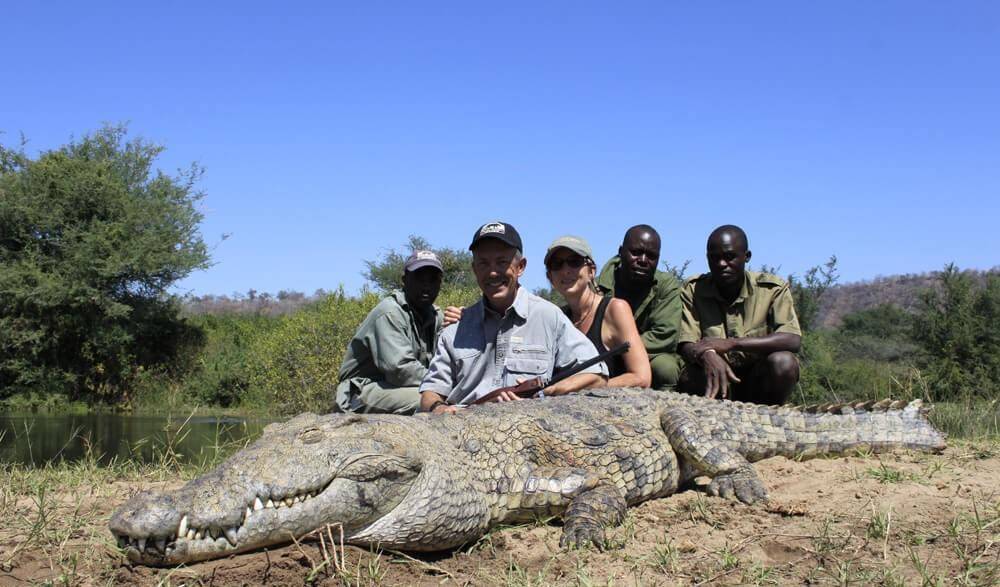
[582, 534]
[743, 484]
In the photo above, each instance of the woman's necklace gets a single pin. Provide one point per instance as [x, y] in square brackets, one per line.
[590, 310]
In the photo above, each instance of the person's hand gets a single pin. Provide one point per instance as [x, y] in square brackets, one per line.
[452, 314]
[445, 409]
[718, 374]
[508, 396]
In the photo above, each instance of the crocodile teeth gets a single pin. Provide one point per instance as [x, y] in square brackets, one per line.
[142, 544]
[198, 535]
[182, 529]
[289, 501]
[269, 503]
[247, 514]
[257, 504]
[190, 535]
[231, 536]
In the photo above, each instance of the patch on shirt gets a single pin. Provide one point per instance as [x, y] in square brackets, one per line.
[516, 339]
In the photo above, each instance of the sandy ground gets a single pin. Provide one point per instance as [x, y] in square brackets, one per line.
[899, 519]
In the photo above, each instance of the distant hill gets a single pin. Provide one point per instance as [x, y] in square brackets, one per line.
[902, 290]
[252, 302]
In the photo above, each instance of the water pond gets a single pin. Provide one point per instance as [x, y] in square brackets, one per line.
[38, 438]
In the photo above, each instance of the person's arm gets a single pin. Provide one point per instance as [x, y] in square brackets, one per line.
[664, 321]
[761, 345]
[618, 317]
[435, 403]
[392, 352]
[438, 381]
[576, 383]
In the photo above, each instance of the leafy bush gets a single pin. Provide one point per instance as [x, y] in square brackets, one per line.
[808, 292]
[91, 238]
[830, 374]
[294, 366]
[956, 330]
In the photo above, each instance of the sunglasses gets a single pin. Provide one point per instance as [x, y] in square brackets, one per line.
[574, 262]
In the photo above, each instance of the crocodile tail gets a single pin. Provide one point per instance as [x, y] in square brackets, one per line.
[847, 408]
[833, 429]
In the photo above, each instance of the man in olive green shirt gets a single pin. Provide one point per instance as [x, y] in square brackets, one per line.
[388, 356]
[739, 333]
[654, 297]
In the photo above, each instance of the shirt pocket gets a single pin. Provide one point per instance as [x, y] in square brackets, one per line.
[528, 360]
[466, 357]
[525, 368]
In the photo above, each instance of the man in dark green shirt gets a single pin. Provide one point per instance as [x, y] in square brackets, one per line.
[389, 354]
[654, 297]
[739, 332]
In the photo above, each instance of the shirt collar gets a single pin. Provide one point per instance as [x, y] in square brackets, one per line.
[401, 299]
[746, 290]
[520, 305]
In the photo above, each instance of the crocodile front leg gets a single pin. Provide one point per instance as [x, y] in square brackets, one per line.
[732, 475]
[587, 502]
[589, 514]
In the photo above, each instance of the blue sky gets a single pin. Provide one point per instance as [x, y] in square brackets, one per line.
[331, 131]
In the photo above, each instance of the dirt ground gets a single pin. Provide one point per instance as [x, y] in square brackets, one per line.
[899, 519]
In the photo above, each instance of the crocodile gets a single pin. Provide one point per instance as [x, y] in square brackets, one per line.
[435, 482]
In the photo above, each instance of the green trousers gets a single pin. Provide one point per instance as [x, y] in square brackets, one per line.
[378, 398]
[666, 370]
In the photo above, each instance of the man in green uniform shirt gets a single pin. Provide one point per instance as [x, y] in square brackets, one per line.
[389, 354]
[654, 297]
[739, 332]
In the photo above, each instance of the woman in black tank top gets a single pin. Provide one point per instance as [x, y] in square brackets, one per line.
[606, 321]
[616, 364]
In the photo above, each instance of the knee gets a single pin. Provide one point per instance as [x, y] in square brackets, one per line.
[783, 365]
[666, 370]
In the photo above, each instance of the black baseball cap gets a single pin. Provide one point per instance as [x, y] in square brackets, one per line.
[501, 231]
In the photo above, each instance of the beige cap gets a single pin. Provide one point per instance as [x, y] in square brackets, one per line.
[574, 243]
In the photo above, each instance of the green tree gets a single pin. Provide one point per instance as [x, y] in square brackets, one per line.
[808, 292]
[91, 238]
[956, 329]
[386, 273]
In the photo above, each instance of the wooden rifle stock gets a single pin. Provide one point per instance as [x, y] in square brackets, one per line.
[530, 387]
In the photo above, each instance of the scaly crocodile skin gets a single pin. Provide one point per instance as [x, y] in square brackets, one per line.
[427, 482]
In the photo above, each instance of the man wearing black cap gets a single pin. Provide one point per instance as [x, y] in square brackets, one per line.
[389, 354]
[509, 335]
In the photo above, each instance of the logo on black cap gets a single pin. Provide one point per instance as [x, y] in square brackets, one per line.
[501, 231]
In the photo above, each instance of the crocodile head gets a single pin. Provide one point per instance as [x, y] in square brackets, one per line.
[300, 476]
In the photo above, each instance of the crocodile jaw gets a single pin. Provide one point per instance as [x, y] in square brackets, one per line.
[152, 535]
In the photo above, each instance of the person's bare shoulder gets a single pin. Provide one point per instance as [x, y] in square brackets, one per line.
[619, 307]
[620, 313]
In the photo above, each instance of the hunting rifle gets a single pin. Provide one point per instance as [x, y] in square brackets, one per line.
[530, 387]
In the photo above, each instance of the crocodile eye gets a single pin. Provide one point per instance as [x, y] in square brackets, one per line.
[311, 436]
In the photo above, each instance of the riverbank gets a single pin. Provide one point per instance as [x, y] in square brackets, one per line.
[890, 519]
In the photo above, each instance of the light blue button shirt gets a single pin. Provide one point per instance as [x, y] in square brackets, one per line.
[485, 350]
